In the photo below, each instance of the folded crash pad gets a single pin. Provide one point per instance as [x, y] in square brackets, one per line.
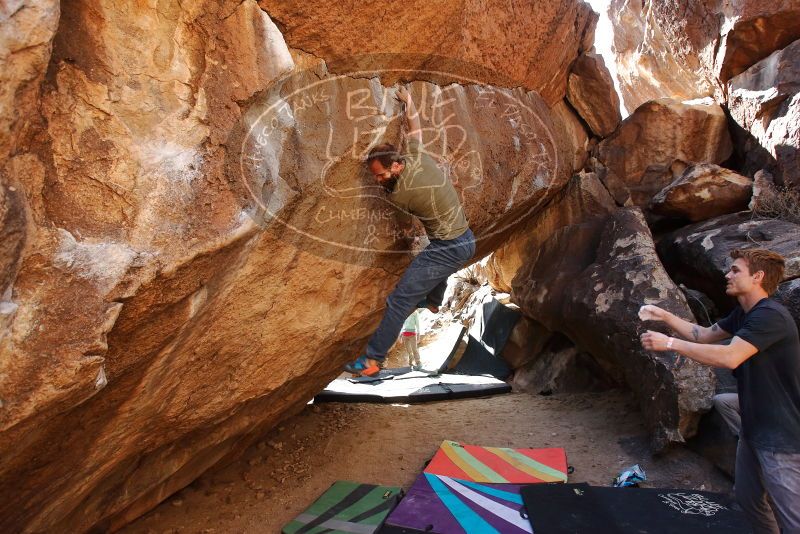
[437, 353]
[498, 464]
[488, 335]
[569, 508]
[347, 507]
[411, 388]
[444, 505]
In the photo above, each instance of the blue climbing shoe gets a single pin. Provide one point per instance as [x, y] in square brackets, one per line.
[362, 367]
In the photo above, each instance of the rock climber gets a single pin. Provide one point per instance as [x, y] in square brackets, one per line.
[416, 186]
[764, 353]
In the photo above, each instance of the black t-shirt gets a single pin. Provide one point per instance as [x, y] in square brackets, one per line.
[768, 381]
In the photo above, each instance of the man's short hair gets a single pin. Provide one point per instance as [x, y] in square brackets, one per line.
[759, 259]
[385, 153]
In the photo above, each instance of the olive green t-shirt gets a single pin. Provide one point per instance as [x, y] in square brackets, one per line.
[424, 191]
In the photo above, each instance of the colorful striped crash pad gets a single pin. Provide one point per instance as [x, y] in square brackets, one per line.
[443, 505]
[346, 507]
[498, 465]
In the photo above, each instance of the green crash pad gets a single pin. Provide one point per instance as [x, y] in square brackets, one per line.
[347, 507]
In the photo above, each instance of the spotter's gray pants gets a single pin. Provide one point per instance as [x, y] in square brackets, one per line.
[760, 472]
[727, 404]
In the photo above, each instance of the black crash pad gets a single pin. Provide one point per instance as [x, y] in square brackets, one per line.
[487, 338]
[580, 508]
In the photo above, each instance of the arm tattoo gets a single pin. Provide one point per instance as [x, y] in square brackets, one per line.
[715, 327]
[696, 332]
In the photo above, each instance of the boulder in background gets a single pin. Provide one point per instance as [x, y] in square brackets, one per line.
[641, 151]
[788, 294]
[764, 101]
[702, 192]
[698, 255]
[591, 92]
[686, 50]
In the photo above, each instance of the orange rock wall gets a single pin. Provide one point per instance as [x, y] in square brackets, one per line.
[191, 248]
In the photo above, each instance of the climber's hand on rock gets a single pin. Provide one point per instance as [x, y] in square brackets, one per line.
[655, 341]
[648, 312]
[403, 95]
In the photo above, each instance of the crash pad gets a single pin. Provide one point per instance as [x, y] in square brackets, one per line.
[347, 507]
[411, 388]
[488, 335]
[444, 505]
[437, 353]
[569, 508]
[498, 464]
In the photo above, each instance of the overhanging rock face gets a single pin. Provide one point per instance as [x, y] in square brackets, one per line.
[202, 249]
[527, 44]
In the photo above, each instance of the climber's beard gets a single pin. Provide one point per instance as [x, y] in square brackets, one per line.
[390, 184]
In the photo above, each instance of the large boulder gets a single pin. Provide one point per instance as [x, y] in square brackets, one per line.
[526, 341]
[559, 367]
[588, 282]
[583, 201]
[647, 65]
[702, 192]
[196, 210]
[575, 132]
[531, 45]
[788, 294]
[698, 255]
[764, 101]
[25, 45]
[750, 31]
[642, 151]
[591, 92]
[687, 49]
[582, 267]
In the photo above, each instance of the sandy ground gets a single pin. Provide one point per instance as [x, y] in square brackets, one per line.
[388, 444]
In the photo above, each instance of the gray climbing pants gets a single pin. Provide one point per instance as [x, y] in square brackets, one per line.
[760, 472]
[727, 404]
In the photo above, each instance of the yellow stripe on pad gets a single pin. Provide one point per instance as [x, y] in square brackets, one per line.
[529, 465]
[473, 467]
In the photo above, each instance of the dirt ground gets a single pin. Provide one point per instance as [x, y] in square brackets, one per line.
[388, 444]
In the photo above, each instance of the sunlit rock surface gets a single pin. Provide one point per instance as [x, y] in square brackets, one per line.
[525, 44]
[191, 247]
[765, 102]
[640, 153]
[687, 50]
[702, 192]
